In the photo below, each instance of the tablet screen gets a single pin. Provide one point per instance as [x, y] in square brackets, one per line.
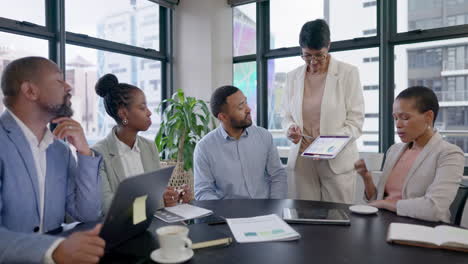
[326, 147]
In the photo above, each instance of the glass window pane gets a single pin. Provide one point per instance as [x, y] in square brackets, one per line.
[244, 29]
[134, 22]
[35, 11]
[369, 74]
[245, 78]
[443, 67]
[287, 18]
[428, 14]
[277, 70]
[85, 66]
[14, 47]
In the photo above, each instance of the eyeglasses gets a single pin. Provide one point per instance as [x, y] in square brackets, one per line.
[318, 58]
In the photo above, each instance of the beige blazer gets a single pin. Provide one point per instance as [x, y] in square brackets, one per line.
[431, 183]
[342, 110]
[111, 169]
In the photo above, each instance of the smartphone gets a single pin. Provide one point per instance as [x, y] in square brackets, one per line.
[211, 220]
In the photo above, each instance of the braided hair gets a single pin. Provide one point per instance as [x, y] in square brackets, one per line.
[115, 94]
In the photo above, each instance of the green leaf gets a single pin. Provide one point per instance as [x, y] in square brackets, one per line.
[183, 117]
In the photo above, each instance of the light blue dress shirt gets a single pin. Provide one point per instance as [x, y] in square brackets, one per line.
[250, 167]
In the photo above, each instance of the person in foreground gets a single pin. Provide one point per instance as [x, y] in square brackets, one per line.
[421, 175]
[322, 97]
[237, 160]
[40, 180]
[126, 154]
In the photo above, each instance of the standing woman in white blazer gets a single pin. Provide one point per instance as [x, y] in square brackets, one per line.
[322, 97]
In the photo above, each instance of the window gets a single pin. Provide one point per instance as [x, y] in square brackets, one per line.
[277, 70]
[370, 87]
[371, 143]
[429, 14]
[85, 66]
[287, 18]
[244, 29]
[245, 78]
[370, 32]
[369, 4]
[134, 22]
[15, 46]
[440, 66]
[370, 59]
[34, 13]
[369, 76]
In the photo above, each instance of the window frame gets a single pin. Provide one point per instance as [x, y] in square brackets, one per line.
[55, 33]
[386, 39]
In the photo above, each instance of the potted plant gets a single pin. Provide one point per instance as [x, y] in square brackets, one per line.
[184, 121]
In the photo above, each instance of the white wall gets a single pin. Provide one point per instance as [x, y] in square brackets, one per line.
[202, 46]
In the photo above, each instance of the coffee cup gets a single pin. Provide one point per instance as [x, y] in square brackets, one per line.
[173, 241]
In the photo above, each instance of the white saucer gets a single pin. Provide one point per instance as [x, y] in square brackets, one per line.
[363, 209]
[156, 256]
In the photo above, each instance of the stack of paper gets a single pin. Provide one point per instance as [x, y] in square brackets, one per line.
[261, 229]
[181, 212]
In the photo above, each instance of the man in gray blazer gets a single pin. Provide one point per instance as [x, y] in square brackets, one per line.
[40, 180]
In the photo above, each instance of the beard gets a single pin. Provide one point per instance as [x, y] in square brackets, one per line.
[61, 110]
[242, 124]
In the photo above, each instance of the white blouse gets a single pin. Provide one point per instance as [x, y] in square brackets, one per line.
[130, 157]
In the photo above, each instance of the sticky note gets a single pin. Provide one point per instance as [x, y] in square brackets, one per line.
[139, 209]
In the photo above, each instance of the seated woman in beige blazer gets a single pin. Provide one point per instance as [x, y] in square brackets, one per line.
[124, 153]
[421, 175]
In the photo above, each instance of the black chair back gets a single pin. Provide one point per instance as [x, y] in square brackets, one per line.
[456, 209]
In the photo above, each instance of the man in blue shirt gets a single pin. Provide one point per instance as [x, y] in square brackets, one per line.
[237, 160]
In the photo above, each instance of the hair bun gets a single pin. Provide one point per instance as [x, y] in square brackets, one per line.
[105, 84]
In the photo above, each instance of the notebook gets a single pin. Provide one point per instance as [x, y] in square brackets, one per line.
[203, 235]
[181, 212]
[442, 236]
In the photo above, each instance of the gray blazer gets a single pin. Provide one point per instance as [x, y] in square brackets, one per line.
[111, 169]
[431, 183]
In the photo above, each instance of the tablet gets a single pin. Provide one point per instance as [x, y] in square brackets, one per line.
[316, 216]
[326, 147]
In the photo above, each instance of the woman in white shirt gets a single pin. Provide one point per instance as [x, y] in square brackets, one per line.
[322, 97]
[126, 154]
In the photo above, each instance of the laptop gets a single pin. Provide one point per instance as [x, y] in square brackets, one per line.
[119, 222]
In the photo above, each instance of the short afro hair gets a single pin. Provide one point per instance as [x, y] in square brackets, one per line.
[425, 99]
[219, 97]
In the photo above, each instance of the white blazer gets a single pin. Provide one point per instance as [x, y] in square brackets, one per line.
[342, 110]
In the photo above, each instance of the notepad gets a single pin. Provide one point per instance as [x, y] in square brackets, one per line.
[442, 236]
[261, 229]
[181, 212]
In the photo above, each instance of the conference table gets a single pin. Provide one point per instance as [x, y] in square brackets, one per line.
[364, 241]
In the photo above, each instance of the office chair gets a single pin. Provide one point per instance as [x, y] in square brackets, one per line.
[458, 205]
